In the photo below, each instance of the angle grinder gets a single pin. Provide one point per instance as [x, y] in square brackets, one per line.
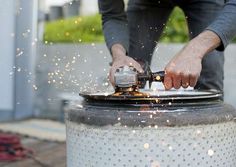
[128, 80]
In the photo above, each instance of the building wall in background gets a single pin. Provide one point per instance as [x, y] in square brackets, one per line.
[17, 52]
[7, 54]
[87, 7]
[26, 41]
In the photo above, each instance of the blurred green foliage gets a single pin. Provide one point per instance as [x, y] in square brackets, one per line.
[88, 29]
[78, 29]
[176, 30]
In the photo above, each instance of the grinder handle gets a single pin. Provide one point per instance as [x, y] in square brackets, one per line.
[158, 76]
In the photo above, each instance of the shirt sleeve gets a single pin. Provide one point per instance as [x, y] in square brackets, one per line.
[225, 24]
[114, 21]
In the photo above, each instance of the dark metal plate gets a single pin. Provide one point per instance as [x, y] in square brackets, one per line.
[151, 95]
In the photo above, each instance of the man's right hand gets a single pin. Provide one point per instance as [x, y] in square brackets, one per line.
[120, 59]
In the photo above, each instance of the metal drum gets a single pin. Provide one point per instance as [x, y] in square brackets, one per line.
[163, 129]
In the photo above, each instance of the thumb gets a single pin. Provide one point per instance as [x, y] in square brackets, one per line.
[139, 68]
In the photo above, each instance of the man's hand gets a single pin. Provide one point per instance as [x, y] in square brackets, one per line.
[185, 68]
[120, 59]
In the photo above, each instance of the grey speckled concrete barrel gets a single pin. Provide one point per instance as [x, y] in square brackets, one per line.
[173, 132]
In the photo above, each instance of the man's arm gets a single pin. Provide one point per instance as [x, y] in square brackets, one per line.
[225, 24]
[114, 21]
[115, 28]
[184, 69]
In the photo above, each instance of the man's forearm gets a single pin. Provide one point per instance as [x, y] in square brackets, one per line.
[224, 25]
[185, 67]
[204, 43]
[117, 51]
[114, 21]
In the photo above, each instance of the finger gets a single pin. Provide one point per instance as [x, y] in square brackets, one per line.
[193, 80]
[138, 67]
[185, 81]
[176, 81]
[168, 82]
[111, 77]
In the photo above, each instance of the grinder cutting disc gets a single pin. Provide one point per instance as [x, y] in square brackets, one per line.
[153, 97]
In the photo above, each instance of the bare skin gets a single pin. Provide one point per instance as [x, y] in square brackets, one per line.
[183, 69]
[120, 59]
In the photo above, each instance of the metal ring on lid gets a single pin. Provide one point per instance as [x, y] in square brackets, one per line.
[180, 109]
[155, 98]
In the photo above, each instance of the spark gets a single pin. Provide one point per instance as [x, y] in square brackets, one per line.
[35, 87]
[155, 164]
[19, 69]
[198, 132]
[106, 84]
[19, 54]
[146, 146]
[210, 152]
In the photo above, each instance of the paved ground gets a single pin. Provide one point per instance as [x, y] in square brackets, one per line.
[51, 153]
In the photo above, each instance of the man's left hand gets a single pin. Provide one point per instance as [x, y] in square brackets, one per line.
[184, 69]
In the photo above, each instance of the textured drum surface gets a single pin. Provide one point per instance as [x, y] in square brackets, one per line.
[121, 146]
[165, 129]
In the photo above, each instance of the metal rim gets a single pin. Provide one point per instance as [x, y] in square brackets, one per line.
[207, 94]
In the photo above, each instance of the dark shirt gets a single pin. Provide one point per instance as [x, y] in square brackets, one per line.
[115, 25]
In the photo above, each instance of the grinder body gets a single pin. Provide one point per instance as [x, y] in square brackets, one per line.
[128, 78]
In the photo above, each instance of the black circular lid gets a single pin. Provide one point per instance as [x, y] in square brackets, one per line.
[153, 97]
[150, 108]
